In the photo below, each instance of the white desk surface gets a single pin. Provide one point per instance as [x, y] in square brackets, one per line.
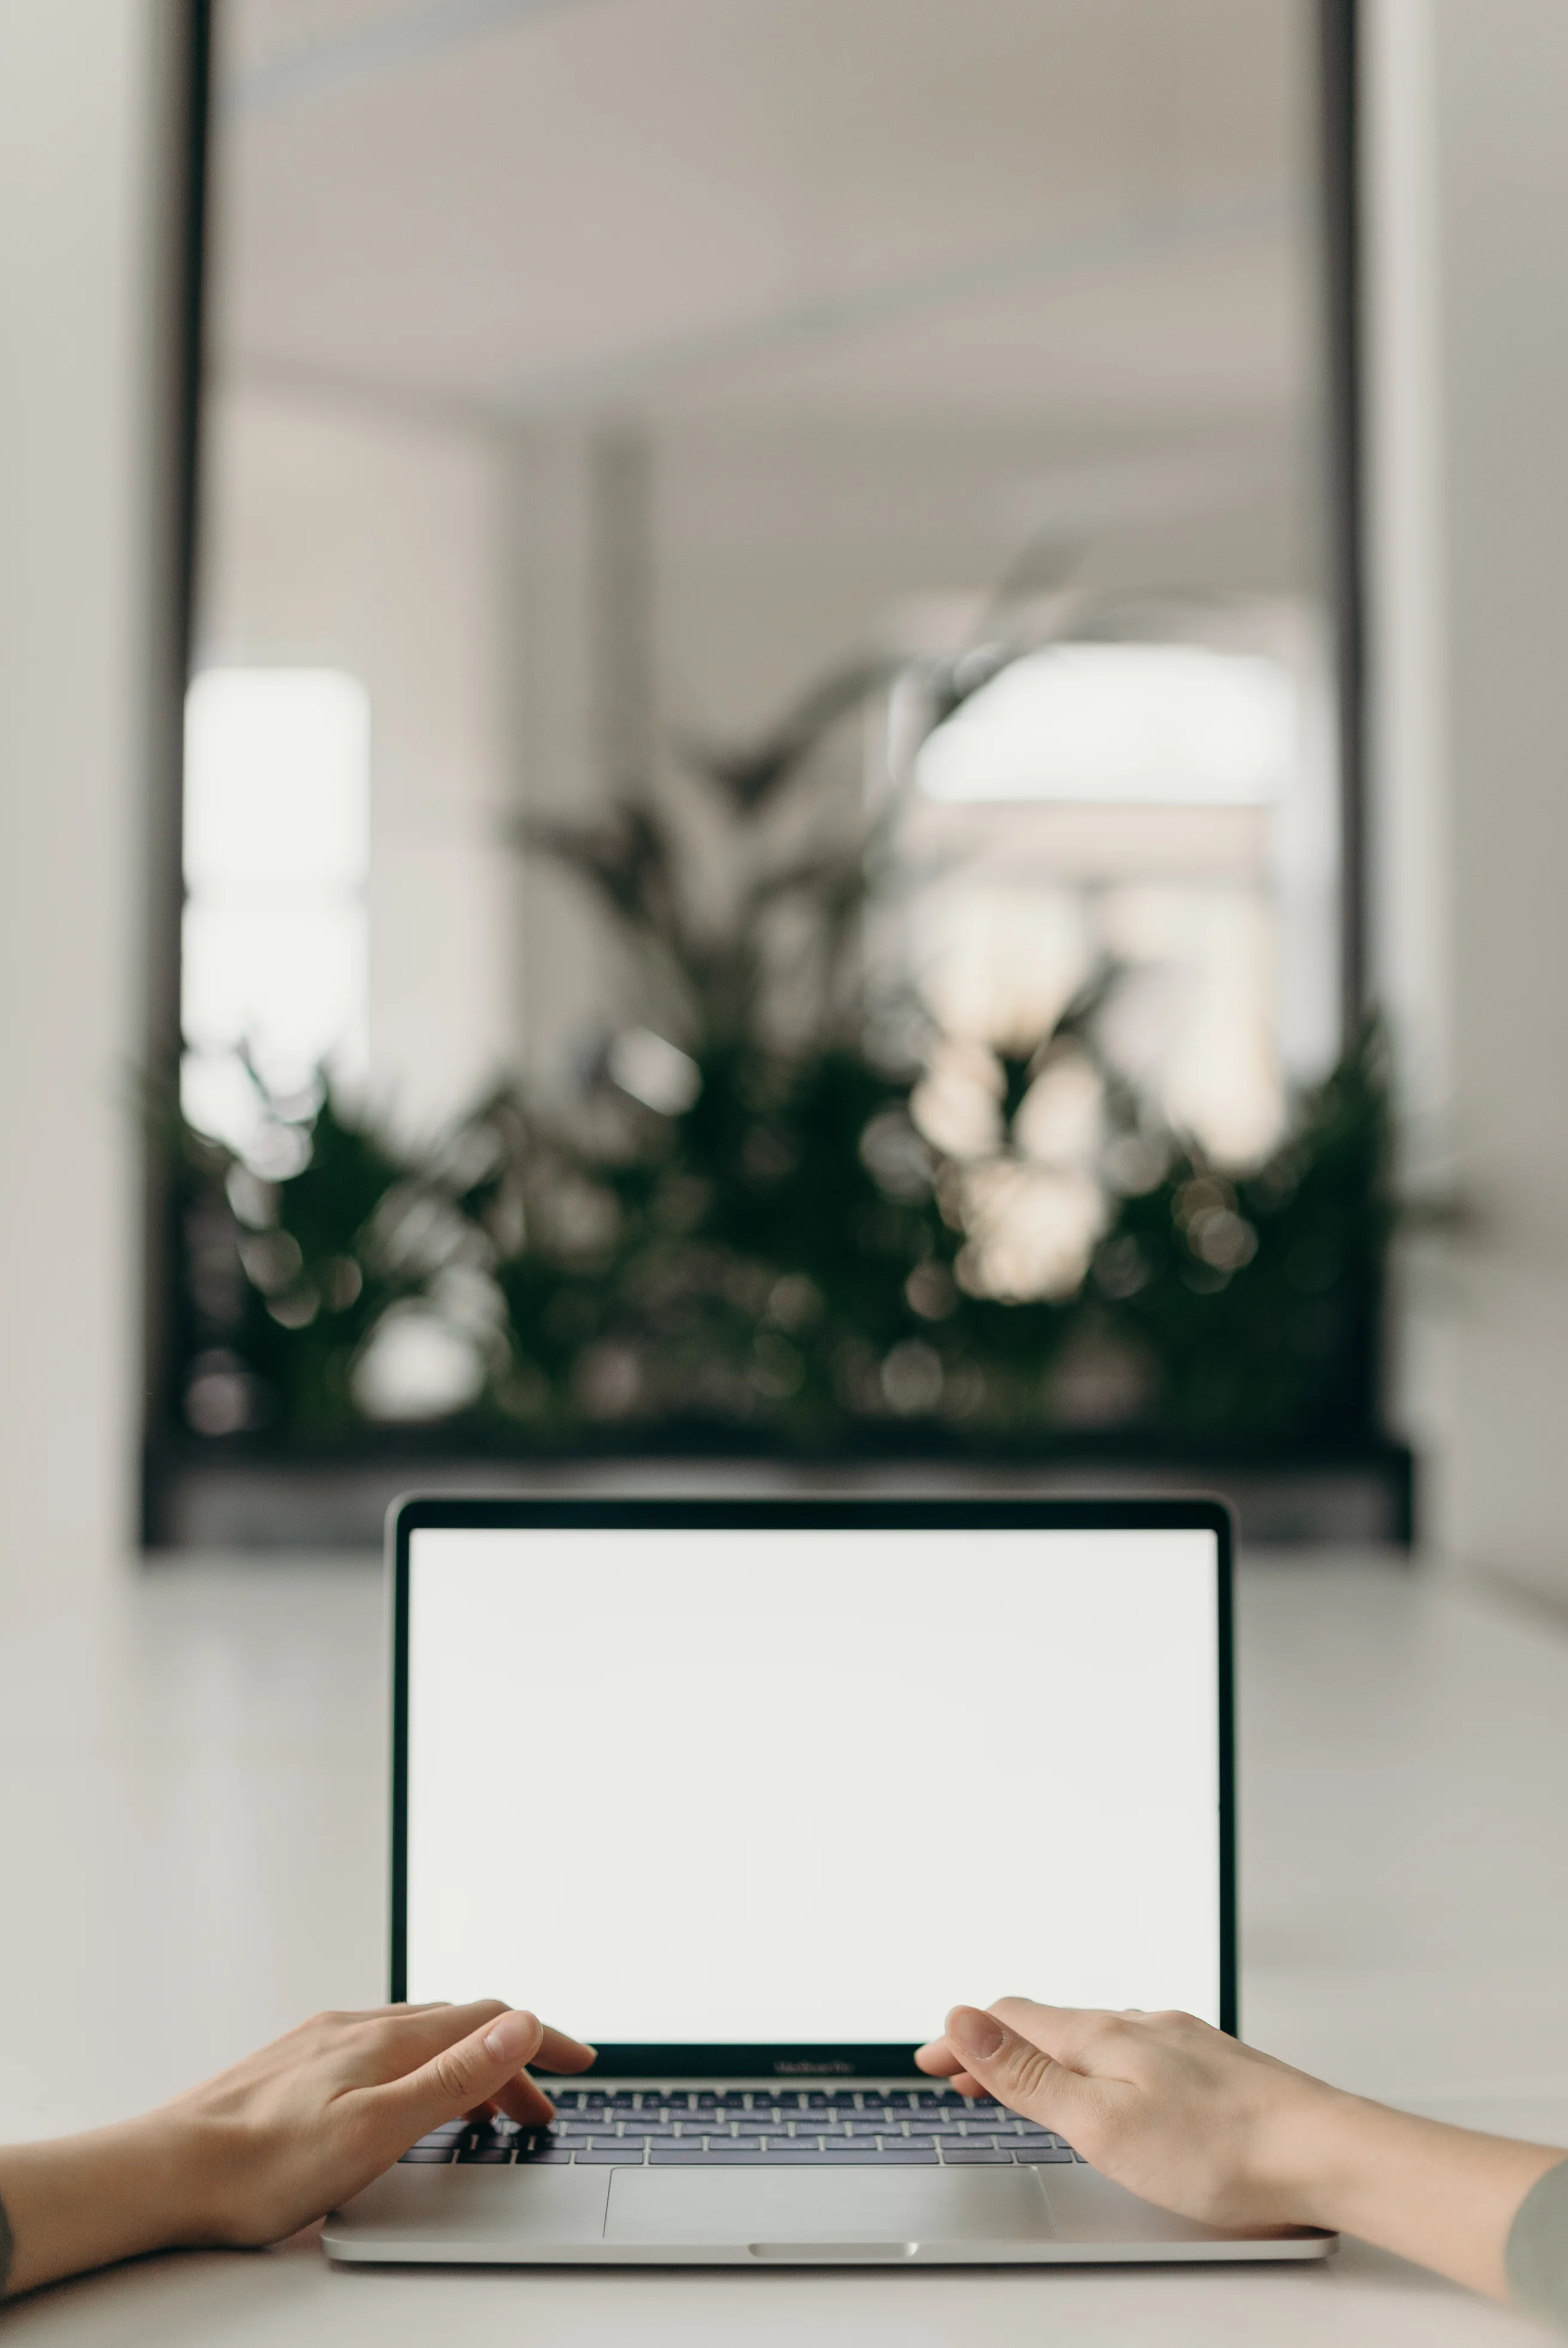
[192, 1769]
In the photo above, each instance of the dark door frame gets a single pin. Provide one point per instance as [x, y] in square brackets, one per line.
[1339, 182]
[184, 209]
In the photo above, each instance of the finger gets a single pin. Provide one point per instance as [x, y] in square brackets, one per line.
[461, 2076]
[398, 2040]
[1060, 2031]
[396, 2012]
[938, 2059]
[474, 2070]
[559, 2052]
[1011, 2067]
[524, 2100]
[390, 2045]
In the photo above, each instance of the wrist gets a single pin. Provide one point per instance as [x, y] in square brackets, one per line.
[1441, 2196]
[1315, 2143]
[82, 2201]
[183, 2172]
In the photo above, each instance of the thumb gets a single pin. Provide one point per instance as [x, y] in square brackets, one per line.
[469, 2072]
[1017, 2074]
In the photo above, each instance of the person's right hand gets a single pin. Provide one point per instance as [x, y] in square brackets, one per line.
[1202, 2124]
[1169, 2107]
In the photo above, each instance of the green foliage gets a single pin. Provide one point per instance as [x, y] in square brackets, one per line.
[780, 1255]
[785, 1258]
[288, 1279]
[1256, 1299]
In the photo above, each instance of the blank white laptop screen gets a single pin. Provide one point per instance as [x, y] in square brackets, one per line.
[812, 1785]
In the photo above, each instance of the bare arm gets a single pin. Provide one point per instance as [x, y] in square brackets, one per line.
[1192, 2120]
[289, 2133]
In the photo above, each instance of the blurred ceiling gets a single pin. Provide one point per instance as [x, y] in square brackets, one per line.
[1091, 213]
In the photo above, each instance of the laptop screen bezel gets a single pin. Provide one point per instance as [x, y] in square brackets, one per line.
[797, 2063]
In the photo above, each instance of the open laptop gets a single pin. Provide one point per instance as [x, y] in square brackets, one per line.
[747, 1794]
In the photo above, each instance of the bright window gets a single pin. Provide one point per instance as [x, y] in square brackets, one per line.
[1165, 809]
[277, 840]
[1158, 725]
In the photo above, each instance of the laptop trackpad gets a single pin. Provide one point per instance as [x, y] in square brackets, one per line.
[771, 2209]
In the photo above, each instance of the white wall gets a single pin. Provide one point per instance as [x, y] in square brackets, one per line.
[1469, 320]
[76, 91]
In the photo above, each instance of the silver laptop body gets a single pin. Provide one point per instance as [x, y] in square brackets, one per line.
[747, 1794]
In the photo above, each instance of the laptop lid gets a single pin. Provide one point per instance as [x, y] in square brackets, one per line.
[740, 1789]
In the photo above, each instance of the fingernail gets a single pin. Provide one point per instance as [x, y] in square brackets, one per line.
[512, 2037]
[975, 2035]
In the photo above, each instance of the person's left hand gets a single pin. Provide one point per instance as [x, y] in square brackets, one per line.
[296, 2128]
[288, 2135]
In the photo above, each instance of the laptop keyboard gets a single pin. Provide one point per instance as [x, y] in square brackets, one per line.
[895, 2127]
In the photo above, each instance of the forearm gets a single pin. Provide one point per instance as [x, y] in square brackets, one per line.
[85, 2201]
[1443, 2197]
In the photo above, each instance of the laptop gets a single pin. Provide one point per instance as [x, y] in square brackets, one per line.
[747, 1794]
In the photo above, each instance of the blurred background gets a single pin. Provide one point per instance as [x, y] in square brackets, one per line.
[745, 746]
[804, 743]
[764, 870]
[589, 382]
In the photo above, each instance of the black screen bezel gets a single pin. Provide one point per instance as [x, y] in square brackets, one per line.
[801, 2062]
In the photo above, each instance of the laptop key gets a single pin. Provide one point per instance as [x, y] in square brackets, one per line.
[974, 2156]
[625, 2156]
[1036, 2156]
[427, 2156]
[487, 2157]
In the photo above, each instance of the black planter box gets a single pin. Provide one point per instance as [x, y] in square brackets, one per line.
[225, 1496]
